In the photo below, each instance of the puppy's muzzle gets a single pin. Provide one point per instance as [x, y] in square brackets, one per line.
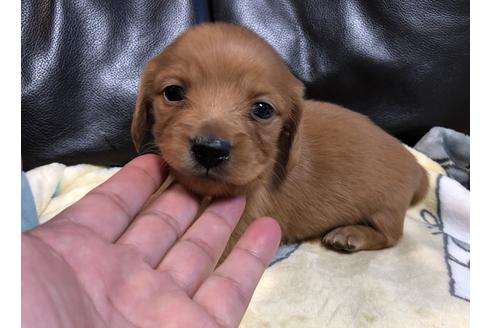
[210, 152]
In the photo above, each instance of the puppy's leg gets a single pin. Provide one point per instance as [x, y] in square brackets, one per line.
[384, 230]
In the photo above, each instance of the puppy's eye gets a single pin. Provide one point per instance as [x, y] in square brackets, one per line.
[262, 111]
[174, 93]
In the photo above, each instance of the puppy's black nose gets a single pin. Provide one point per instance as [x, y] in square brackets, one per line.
[210, 152]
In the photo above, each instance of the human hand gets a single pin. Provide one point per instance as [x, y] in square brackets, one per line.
[95, 265]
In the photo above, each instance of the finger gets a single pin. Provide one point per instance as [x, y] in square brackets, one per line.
[110, 207]
[227, 292]
[159, 226]
[195, 255]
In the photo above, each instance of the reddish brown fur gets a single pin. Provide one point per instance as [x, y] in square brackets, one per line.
[319, 169]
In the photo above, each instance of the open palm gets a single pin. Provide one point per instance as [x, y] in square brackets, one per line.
[97, 265]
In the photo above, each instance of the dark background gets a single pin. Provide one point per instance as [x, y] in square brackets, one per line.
[403, 63]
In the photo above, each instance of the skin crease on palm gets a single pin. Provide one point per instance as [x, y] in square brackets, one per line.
[97, 265]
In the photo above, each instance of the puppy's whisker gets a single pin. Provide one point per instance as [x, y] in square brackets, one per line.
[149, 148]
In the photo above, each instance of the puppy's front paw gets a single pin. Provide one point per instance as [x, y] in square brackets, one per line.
[354, 238]
[346, 238]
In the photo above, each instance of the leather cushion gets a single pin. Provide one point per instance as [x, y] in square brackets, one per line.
[404, 63]
[81, 64]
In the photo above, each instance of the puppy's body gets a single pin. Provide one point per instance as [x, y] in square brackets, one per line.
[319, 169]
[361, 183]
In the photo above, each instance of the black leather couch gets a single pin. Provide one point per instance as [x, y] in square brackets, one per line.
[404, 63]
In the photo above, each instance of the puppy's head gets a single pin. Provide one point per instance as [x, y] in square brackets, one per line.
[225, 110]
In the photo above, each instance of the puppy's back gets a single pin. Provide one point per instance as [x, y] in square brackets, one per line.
[370, 164]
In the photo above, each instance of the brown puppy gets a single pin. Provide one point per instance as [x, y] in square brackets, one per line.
[230, 118]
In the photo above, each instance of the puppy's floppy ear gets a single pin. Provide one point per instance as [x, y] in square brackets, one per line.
[143, 117]
[289, 145]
